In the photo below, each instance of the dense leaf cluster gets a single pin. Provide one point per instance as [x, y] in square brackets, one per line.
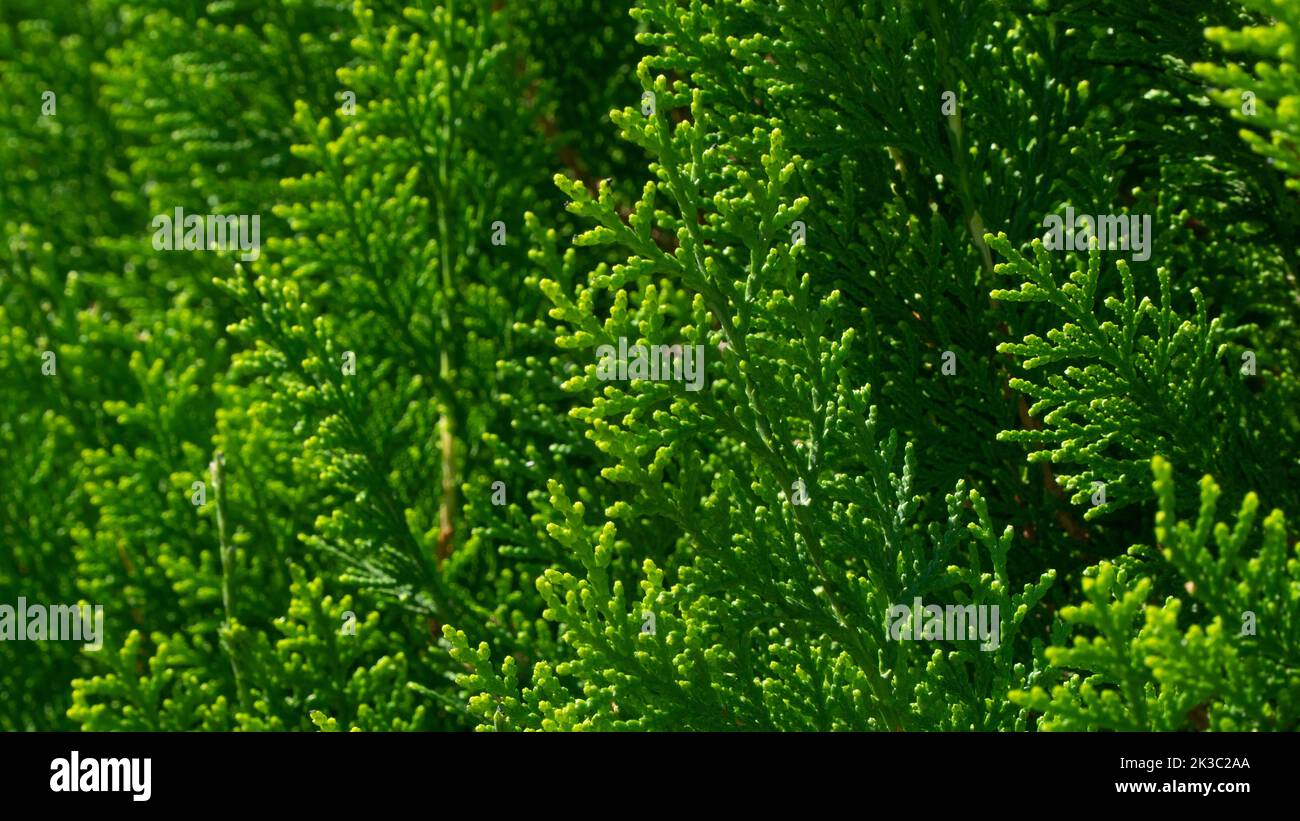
[378, 477]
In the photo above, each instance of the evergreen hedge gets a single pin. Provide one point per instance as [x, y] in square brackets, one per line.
[379, 473]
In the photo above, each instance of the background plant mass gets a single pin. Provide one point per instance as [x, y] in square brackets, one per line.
[378, 474]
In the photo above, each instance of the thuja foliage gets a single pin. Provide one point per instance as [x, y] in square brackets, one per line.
[381, 475]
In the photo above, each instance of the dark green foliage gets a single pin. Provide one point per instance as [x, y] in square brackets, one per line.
[378, 478]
